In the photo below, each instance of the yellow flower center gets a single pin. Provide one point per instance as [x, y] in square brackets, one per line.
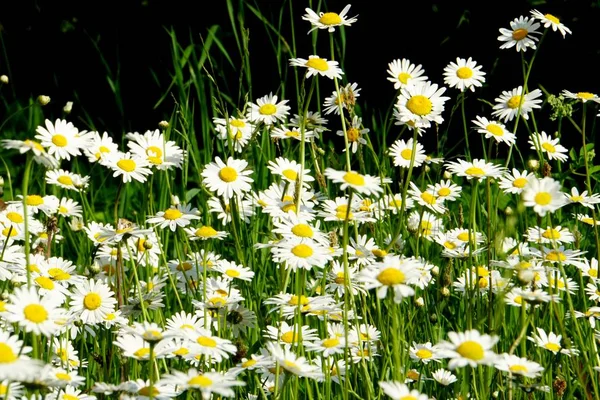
[406, 154]
[543, 198]
[7, 355]
[206, 341]
[317, 63]
[471, 350]
[15, 217]
[419, 105]
[552, 18]
[443, 192]
[44, 282]
[200, 380]
[390, 277]
[514, 102]
[464, 236]
[548, 147]
[495, 130]
[424, 353]
[147, 392]
[449, 245]
[474, 171]
[428, 198]
[340, 278]
[59, 140]
[464, 73]
[518, 300]
[182, 351]
[228, 174]
[292, 134]
[267, 109]
[519, 34]
[126, 165]
[302, 250]
[519, 183]
[593, 272]
[294, 300]
[551, 233]
[332, 342]
[249, 363]
[110, 317]
[302, 230]
[237, 123]
[589, 221]
[330, 18]
[172, 214]
[205, 231]
[353, 134]
[414, 375]
[403, 77]
[34, 200]
[35, 145]
[395, 203]
[354, 179]
[518, 368]
[552, 346]
[233, 273]
[290, 174]
[153, 153]
[555, 255]
[66, 396]
[92, 301]
[63, 376]
[35, 313]
[63, 210]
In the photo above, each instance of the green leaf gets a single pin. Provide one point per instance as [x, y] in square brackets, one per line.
[190, 194]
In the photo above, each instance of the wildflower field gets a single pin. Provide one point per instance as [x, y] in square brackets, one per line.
[299, 244]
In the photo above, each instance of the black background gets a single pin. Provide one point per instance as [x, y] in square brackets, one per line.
[48, 49]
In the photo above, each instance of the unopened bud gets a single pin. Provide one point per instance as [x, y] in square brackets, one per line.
[163, 125]
[435, 271]
[427, 168]
[68, 107]
[447, 175]
[4, 79]
[445, 292]
[533, 165]
[175, 200]
[509, 211]
[148, 245]
[420, 302]
[43, 100]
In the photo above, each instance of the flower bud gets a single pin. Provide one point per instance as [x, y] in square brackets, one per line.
[533, 165]
[68, 107]
[4, 79]
[163, 125]
[43, 100]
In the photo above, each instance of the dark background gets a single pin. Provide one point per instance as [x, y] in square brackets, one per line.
[56, 48]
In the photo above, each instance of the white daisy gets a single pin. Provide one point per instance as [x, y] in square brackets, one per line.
[176, 216]
[346, 98]
[516, 101]
[515, 181]
[516, 365]
[476, 169]
[227, 179]
[403, 73]
[284, 133]
[159, 152]
[544, 195]
[92, 300]
[205, 232]
[268, 110]
[521, 34]
[469, 348]
[444, 377]
[128, 166]
[61, 139]
[582, 198]
[390, 273]
[34, 313]
[66, 179]
[318, 66]
[421, 103]
[544, 143]
[400, 391]
[355, 134]
[328, 20]
[581, 96]
[402, 152]
[364, 184]
[290, 170]
[100, 147]
[299, 253]
[549, 20]
[464, 74]
[495, 130]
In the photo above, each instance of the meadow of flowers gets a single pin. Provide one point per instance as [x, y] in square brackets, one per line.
[291, 247]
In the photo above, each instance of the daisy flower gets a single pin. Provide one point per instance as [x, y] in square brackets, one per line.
[152, 146]
[514, 182]
[556, 234]
[404, 73]
[92, 300]
[66, 179]
[206, 383]
[284, 133]
[128, 166]
[69, 208]
[424, 224]
[318, 66]
[293, 226]
[552, 147]
[444, 377]
[513, 102]
[40, 156]
[391, 273]
[581, 96]
[584, 198]
[313, 121]
[173, 217]
[402, 152]
[143, 390]
[346, 98]
[227, 179]
[424, 352]
[289, 170]
[549, 20]
[268, 110]
[299, 253]
[61, 139]
[516, 365]
[421, 103]
[427, 199]
[299, 366]
[586, 219]
[233, 127]
[549, 341]
[100, 147]
[469, 348]
[464, 74]
[543, 195]
[205, 232]
[589, 268]
[16, 364]
[231, 270]
[400, 391]
[32, 312]
[355, 134]
[328, 20]
[291, 334]
[521, 34]
[340, 210]
[364, 184]
[476, 169]
[446, 190]
[223, 209]
[494, 129]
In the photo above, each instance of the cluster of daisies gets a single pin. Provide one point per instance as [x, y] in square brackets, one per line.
[139, 300]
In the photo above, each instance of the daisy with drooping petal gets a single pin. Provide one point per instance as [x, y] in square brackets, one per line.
[544, 195]
[328, 20]
[205, 232]
[100, 147]
[521, 35]
[513, 102]
[400, 391]
[318, 66]
[421, 103]
[234, 128]
[426, 198]
[586, 219]
[581, 96]
[92, 300]
[268, 110]
[34, 313]
[469, 348]
[227, 179]
[549, 20]
[60, 139]
[313, 122]
[173, 217]
[551, 147]
[464, 74]
[128, 166]
[355, 134]
[515, 181]
[403, 73]
[40, 156]
[390, 273]
[549, 341]
[152, 146]
[584, 198]
[495, 130]
[444, 377]
[516, 365]
[66, 179]
[346, 98]
[289, 170]
[476, 169]
[284, 133]
[402, 152]
[364, 184]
